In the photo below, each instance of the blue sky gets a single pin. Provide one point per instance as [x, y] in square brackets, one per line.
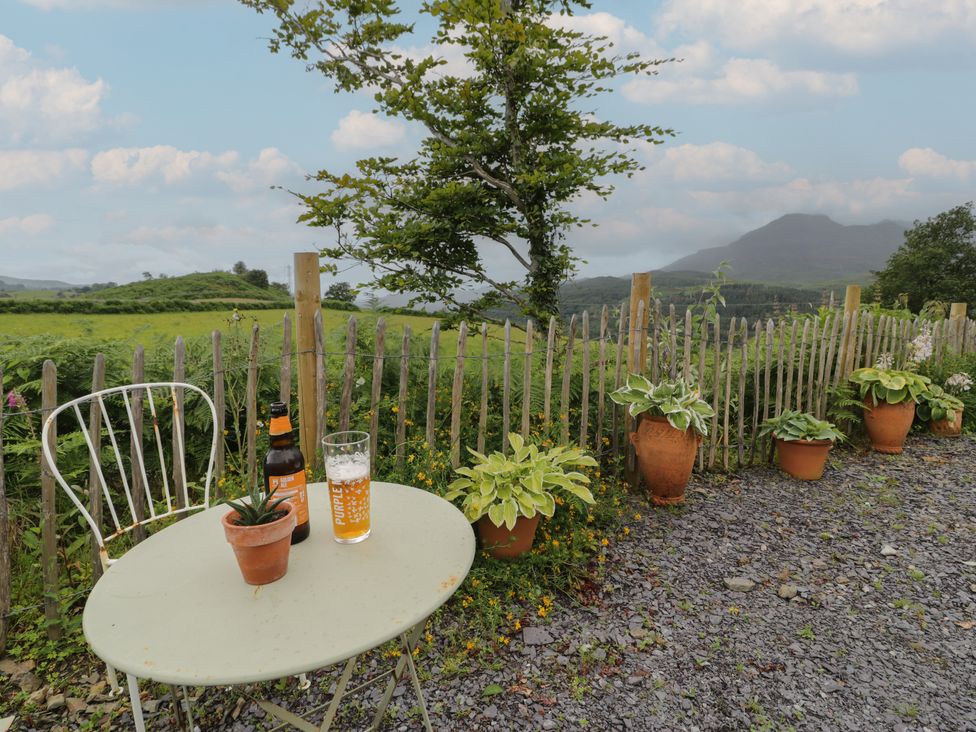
[143, 135]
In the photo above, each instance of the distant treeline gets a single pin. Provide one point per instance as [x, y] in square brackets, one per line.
[110, 307]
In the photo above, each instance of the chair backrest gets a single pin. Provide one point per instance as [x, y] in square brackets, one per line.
[134, 511]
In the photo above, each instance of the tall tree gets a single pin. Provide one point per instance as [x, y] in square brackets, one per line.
[511, 140]
[341, 291]
[937, 261]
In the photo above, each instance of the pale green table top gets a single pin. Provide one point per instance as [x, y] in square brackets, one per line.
[175, 609]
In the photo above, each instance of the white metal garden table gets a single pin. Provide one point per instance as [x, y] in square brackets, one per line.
[175, 610]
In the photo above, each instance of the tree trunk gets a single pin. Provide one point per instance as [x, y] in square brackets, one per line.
[547, 273]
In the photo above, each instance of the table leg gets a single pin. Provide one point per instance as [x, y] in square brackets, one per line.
[416, 682]
[409, 643]
[136, 703]
[339, 693]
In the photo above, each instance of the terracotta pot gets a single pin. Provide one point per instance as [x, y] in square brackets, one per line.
[505, 544]
[261, 551]
[666, 457]
[888, 424]
[803, 459]
[945, 428]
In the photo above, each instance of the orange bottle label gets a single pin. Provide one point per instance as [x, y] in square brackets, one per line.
[292, 487]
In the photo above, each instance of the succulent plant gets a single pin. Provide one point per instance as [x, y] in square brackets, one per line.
[260, 509]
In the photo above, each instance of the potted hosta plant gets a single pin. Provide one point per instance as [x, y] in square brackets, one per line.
[942, 411]
[889, 397]
[506, 495]
[259, 532]
[671, 423]
[802, 442]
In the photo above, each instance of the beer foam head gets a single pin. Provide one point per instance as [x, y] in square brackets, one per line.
[347, 468]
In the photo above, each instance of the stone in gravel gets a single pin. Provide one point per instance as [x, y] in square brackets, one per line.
[841, 580]
[638, 633]
[600, 654]
[75, 704]
[832, 686]
[37, 697]
[887, 550]
[27, 681]
[787, 592]
[549, 724]
[491, 711]
[739, 584]
[55, 702]
[97, 690]
[533, 636]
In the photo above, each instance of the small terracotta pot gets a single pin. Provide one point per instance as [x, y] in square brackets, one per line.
[803, 459]
[888, 424]
[666, 457]
[947, 428]
[504, 544]
[261, 551]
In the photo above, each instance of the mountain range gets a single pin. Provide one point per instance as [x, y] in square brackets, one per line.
[18, 283]
[803, 250]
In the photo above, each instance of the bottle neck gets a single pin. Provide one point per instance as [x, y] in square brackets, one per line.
[285, 439]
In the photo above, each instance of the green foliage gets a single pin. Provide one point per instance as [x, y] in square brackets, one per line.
[890, 385]
[796, 425]
[119, 307]
[936, 262]
[682, 405]
[195, 287]
[257, 277]
[261, 508]
[340, 291]
[522, 485]
[940, 373]
[510, 143]
[937, 404]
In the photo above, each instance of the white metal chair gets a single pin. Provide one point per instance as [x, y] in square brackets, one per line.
[158, 504]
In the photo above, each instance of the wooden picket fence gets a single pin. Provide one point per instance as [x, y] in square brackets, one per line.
[791, 363]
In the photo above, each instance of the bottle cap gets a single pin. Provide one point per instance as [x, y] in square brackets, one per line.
[280, 423]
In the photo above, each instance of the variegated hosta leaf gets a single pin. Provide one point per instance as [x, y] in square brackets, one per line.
[676, 400]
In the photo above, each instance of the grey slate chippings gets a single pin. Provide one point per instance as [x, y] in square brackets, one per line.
[837, 633]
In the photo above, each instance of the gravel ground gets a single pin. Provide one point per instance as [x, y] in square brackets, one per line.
[764, 603]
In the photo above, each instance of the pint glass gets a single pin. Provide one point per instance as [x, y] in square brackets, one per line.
[347, 470]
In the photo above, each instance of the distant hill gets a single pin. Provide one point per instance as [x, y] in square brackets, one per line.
[803, 249]
[18, 283]
[198, 287]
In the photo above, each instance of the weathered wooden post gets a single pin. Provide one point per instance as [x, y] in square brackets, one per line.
[640, 291]
[957, 320]
[251, 408]
[49, 520]
[218, 398]
[308, 297]
[95, 434]
[4, 539]
[852, 302]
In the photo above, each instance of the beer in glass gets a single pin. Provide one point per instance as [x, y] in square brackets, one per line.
[347, 471]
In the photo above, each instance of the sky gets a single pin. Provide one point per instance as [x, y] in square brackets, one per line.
[146, 135]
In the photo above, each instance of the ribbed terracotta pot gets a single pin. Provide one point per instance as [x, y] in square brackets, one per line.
[888, 424]
[947, 428]
[261, 551]
[803, 459]
[504, 544]
[666, 457]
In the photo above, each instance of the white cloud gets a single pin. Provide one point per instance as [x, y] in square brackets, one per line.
[362, 130]
[858, 27]
[624, 36]
[927, 162]
[714, 161]
[867, 197]
[129, 165]
[22, 168]
[76, 5]
[270, 167]
[741, 80]
[30, 225]
[45, 103]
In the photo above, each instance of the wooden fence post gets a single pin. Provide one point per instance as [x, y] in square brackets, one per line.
[319, 402]
[507, 387]
[564, 393]
[179, 426]
[221, 406]
[94, 489]
[585, 395]
[483, 411]
[284, 375]
[4, 537]
[139, 488]
[376, 389]
[430, 432]
[527, 380]
[308, 298]
[640, 291]
[251, 408]
[852, 302]
[345, 402]
[456, 393]
[547, 388]
[49, 522]
[401, 421]
[957, 317]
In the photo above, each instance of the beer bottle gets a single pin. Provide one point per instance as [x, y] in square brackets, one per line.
[284, 469]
